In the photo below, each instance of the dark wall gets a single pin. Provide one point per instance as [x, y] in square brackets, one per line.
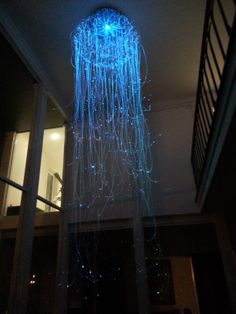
[210, 282]
[17, 91]
[222, 194]
[200, 243]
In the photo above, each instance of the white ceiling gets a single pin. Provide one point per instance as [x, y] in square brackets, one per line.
[171, 33]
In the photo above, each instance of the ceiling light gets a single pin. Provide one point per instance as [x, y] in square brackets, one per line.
[55, 136]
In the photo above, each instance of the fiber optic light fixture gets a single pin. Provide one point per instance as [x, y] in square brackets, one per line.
[111, 137]
[112, 150]
[109, 123]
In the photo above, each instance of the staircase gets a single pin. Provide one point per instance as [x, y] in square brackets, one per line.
[216, 92]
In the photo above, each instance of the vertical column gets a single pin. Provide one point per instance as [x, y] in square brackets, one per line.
[139, 255]
[228, 257]
[60, 306]
[24, 238]
[5, 166]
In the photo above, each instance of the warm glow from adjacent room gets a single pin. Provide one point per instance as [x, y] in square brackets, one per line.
[55, 136]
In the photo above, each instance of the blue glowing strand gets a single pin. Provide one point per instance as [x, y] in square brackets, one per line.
[111, 159]
[109, 124]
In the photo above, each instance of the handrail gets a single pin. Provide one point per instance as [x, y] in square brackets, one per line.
[23, 189]
[214, 54]
[44, 200]
[228, 28]
[12, 183]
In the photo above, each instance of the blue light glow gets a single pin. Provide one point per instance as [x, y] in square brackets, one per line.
[112, 142]
[112, 160]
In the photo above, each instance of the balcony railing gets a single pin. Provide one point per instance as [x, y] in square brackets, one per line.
[218, 39]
